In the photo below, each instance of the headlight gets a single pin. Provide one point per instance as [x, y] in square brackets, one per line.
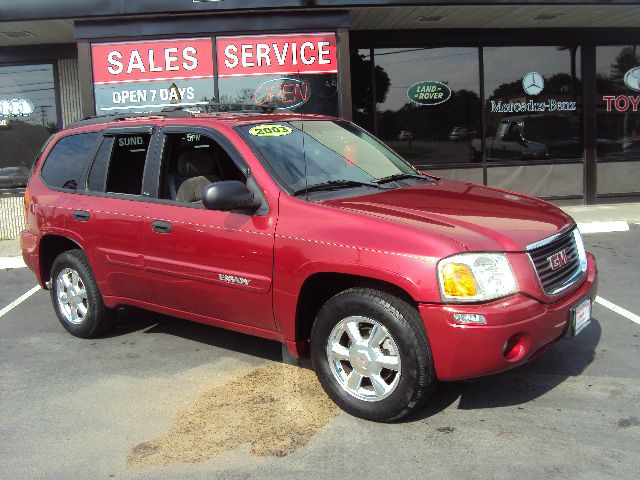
[475, 277]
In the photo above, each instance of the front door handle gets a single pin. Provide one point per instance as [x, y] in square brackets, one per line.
[161, 227]
[81, 215]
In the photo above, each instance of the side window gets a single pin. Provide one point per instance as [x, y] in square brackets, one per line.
[190, 162]
[119, 164]
[64, 164]
[98, 175]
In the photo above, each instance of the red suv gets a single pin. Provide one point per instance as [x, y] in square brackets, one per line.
[307, 230]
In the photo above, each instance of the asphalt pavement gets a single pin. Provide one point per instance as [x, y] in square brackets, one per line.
[165, 398]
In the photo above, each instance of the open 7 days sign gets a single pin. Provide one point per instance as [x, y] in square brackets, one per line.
[148, 76]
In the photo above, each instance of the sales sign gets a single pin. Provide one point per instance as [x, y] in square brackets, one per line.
[151, 75]
[299, 54]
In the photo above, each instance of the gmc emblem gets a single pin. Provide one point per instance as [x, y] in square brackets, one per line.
[559, 259]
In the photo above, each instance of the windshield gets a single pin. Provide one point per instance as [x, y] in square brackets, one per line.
[312, 152]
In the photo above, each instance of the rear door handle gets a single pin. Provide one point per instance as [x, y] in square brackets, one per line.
[81, 215]
[161, 227]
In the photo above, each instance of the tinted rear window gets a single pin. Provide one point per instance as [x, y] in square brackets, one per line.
[64, 164]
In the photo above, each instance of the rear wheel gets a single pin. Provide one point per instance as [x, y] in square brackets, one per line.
[76, 298]
[371, 354]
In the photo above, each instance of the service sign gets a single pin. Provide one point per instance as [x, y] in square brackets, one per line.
[294, 54]
[148, 76]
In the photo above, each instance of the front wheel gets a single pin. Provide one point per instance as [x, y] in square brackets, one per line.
[371, 354]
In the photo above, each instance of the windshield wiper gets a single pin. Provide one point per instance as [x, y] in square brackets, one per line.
[400, 176]
[334, 185]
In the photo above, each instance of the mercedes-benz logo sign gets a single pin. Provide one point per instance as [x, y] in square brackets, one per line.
[533, 83]
[632, 79]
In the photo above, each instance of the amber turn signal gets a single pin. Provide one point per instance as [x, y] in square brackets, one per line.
[458, 280]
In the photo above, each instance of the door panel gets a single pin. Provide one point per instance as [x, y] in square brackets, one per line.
[117, 260]
[212, 263]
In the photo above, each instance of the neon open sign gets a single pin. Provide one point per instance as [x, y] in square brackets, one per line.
[286, 93]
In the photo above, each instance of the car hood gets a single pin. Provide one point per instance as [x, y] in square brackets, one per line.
[477, 217]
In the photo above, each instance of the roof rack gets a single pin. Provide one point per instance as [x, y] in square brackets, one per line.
[180, 111]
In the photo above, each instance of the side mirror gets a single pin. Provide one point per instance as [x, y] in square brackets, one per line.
[230, 195]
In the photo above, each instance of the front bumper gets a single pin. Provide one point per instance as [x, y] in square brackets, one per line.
[464, 351]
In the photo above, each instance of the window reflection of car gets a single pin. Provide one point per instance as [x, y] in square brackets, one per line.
[537, 137]
[462, 133]
[14, 177]
[629, 145]
[458, 133]
[405, 136]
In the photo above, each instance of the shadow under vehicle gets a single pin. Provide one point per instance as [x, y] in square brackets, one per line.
[537, 137]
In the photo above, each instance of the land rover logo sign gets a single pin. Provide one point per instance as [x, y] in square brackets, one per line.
[632, 79]
[429, 92]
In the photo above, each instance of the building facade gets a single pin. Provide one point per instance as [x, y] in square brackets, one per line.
[537, 97]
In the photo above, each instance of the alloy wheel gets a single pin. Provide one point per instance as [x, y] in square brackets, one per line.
[364, 358]
[72, 296]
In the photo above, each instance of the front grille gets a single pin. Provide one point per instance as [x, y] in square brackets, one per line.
[554, 281]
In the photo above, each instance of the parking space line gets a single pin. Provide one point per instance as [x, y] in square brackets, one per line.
[603, 227]
[619, 310]
[12, 262]
[18, 301]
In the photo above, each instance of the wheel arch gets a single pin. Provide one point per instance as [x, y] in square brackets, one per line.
[319, 287]
[52, 245]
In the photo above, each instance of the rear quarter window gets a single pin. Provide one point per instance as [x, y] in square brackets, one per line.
[66, 160]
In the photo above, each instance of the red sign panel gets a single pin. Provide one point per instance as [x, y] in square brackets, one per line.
[277, 55]
[152, 61]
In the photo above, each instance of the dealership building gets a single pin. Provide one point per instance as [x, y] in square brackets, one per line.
[533, 96]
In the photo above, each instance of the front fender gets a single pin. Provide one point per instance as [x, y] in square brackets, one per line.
[408, 274]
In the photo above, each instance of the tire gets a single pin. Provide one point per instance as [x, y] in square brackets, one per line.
[386, 394]
[76, 297]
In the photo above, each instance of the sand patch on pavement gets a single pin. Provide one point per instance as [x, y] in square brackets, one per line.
[276, 409]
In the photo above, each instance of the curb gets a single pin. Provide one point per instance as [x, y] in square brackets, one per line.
[7, 263]
[603, 227]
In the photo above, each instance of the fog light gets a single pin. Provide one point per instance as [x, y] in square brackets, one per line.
[514, 348]
[469, 318]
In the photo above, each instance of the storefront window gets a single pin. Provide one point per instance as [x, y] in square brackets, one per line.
[361, 88]
[533, 116]
[428, 103]
[296, 72]
[28, 116]
[618, 77]
[618, 119]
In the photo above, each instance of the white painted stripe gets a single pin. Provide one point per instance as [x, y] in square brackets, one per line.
[12, 262]
[603, 227]
[19, 300]
[619, 310]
